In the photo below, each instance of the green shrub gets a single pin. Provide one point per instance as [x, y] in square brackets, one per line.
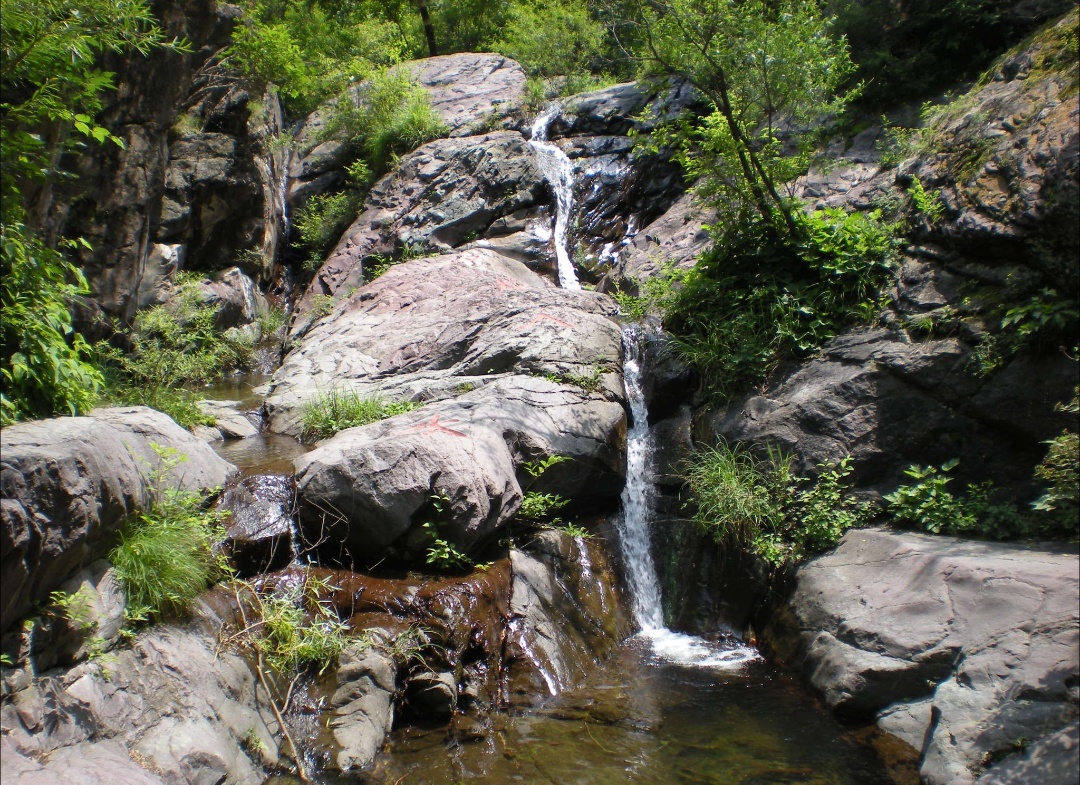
[389, 115]
[929, 505]
[761, 505]
[46, 364]
[295, 630]
[173, 348]
[441, 553]
[311, 53]
[753, 301]
[1061, 469]
[322, 219]
[337, 410]
[556, 38]
[167, 554]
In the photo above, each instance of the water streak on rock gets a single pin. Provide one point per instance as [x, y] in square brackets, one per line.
[559, 172]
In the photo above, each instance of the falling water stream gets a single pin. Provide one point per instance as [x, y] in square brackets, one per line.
[559, 172]
[666, 709]
[633, 525]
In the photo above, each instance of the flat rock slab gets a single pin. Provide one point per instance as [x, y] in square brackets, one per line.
[468, 88]
[960, 647]
[448, 323]
[69, 483]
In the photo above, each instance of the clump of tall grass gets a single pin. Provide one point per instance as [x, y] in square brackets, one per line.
[337, 410]
[760, 504]
[168, 553]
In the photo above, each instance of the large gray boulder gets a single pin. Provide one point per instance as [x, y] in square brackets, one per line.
[469, 89]
[1005, 162]
[960, 648]
[889, 402]
[515, 369]
[369, 489]
[435, 327]
[69, 483]
[443, 195]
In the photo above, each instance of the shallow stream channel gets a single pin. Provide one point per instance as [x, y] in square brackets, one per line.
[666, 708]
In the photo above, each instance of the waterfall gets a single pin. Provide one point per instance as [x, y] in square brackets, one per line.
[633, 526]
[559, 172]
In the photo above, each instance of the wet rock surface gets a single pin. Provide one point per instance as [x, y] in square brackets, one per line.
[260, 524]
[564, 614]
[70, 482]
[958, 647]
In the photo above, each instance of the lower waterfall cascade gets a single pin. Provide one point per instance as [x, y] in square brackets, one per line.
[633, 527]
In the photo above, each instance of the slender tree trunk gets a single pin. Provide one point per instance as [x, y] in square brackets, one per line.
[429, 30]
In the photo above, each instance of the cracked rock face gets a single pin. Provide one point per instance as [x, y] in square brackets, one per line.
[958, 647]
[443, 195]
[175, 707]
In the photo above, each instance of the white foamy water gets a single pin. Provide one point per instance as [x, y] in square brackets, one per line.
[559, 172]
[637, 513]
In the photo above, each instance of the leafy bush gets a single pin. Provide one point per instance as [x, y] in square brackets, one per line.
[173, 347]
[167, 554]
[322, 219]
[310, 52]
[1061, 469]
[337, 410]
[929, 505]
[46, 364]
[388, 115]
[296, 630]
[754, 301]
[762, 505]
[441, 553]
[556, 38]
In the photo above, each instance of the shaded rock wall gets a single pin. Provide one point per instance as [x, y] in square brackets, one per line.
[192, 174]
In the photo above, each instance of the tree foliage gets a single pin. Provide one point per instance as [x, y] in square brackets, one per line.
[50, 87]
[769, 69]
[51, 82]
[45, 362]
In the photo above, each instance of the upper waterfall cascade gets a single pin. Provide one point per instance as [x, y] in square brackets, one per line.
[633, 524]
[559, 172]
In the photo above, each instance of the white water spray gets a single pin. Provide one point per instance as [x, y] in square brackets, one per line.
[559, 172]
[637, 509]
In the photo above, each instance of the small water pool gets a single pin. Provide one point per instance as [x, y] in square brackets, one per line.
[640, 720]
